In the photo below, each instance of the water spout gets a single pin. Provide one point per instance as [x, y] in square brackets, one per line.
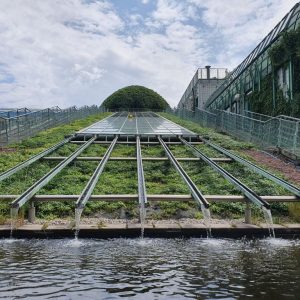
[78, 212]
[207, 219]
[13, 219]
[269, 221]
[142, 218]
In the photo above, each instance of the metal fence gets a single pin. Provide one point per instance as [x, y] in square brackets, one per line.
[282, 132]
[16, 128]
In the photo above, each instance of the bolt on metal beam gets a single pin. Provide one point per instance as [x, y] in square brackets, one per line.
[33, 159]
[192, 187]
[295, 190]
[20, 201]
[88, 190]
[249, 193]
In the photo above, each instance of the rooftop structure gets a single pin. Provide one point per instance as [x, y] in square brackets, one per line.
[203, 84]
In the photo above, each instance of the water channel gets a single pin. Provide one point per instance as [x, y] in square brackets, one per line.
[150, 269]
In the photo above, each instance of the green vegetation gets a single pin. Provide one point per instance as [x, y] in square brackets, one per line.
[266, 101]
[120, 177]
[135, 97]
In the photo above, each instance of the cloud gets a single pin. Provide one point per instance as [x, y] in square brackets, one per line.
[77, 52]
[241, 27]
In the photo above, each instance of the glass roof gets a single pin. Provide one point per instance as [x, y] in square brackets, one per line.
[143, 123]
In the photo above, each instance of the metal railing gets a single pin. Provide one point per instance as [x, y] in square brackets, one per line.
[16, 128]
[282, 132]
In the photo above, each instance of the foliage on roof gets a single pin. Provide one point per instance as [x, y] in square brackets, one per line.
[135, 97]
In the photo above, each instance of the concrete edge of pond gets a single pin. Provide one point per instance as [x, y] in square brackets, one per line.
[164, 231]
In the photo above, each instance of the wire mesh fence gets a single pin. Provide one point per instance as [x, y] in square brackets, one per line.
[280, 132]
[16, 128]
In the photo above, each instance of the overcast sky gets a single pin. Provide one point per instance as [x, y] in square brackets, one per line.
[77, 52]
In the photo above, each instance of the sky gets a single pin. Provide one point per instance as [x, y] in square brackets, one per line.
[78, 52]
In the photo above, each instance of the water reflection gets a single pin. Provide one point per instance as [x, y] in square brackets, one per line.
[150, 268]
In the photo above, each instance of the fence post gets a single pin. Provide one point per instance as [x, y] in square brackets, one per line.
[6, 129]
[295, 138]
[279, 135]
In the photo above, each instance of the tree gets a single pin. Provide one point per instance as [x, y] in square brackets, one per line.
[135, 97]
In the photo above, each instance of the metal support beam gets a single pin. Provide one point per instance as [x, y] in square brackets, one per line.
[141, 178]
[248, 213]
[33, 159]
[129, 158]
[295, 190]
[31, 213]
[20, 201]
[141, 182]
[87, 192]
[192, 187]
[151, 197]
[133, 143]
[250, 194]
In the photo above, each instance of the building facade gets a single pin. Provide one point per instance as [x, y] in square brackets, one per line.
[203, 84]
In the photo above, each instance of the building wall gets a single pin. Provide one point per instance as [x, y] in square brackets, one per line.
[205, 88]
[203, 84]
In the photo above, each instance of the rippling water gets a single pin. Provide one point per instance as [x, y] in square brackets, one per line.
[150, 269]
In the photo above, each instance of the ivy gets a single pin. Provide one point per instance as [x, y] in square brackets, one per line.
[262, 101]
[286, 49]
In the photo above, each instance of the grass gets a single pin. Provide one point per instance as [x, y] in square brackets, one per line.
[43, 140]
[120, 177]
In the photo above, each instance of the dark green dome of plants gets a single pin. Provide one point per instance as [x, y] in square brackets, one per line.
[135, 97]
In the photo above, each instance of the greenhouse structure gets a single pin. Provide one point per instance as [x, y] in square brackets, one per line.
[266, 82]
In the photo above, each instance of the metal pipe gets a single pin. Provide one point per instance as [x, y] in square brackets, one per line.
[20, 201]
[249, 193]
[33, 159]
[192, 187]
[126, 158]
[295, 190]
[153, 197]
[207, 72]
[87, 192]
[141, 178]
[133, 143]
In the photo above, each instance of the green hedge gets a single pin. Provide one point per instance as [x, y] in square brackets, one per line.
[135, 97]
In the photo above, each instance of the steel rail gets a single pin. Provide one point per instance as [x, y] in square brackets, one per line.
[198, 196]
[33, 159]
[152, 197]
[88, 190]
[133, 158]
[290, 187]
[141, 178]
[133, 143]
[20, 201]
[249, 193]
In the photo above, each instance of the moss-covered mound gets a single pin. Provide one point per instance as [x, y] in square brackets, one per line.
[135, 97]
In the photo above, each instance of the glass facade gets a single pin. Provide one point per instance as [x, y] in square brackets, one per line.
[246, 77]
